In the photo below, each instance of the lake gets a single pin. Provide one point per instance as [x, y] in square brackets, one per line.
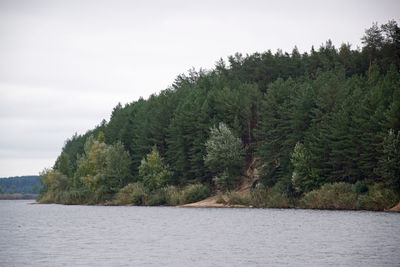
[57, 235]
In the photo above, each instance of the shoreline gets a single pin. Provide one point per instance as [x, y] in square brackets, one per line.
[210, 202]
[18, 196]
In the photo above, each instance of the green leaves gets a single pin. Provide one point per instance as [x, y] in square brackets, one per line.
[152, 171]
[224, 156]
[389, 164]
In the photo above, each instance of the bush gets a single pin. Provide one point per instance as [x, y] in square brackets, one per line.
[173, 196]
[237, 199]
[139, 194]
[264, 197]
[157, 198]
[331, 196]
[194, 193]
[131, 194]
[378, 198]
[361, 187]
[220, 199]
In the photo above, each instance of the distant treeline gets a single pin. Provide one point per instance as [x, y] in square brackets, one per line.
[331, 115]
[20, 185]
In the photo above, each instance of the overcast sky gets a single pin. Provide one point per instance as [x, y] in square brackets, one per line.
[64, 65]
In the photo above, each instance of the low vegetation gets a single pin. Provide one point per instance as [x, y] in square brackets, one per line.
[136, 194]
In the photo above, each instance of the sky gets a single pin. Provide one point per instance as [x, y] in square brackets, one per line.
[64, 65]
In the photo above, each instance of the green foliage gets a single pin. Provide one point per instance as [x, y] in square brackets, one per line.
[194, 193]
[63, 164]
[389, 164]
[224, 156]
[237, 199]
[101, 171]
[138, 194]
[264, 197]
[220, 199]
[55, 187]
[174, 196]
[362, 187]
[157, 198]
[378, 198]
[117, 171]
[133, 193]
[152, 171]
[304, 178]
[331, 196]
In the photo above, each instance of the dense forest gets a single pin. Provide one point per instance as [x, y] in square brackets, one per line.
[20, 185]
[321, 128]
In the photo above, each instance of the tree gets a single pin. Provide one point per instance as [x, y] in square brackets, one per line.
[12, 189]
[304, 177]
[152, 171]
[117, 170]
[224, 156]
[35, 189]
[389, 164]
[103, 169]
[372, 40]
[63, 164]
[275, 129]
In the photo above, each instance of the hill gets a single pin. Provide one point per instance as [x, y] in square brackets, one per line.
[324, 127]
[20, 185]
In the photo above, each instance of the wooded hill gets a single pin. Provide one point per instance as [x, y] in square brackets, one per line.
[326, 116]
[20, 185]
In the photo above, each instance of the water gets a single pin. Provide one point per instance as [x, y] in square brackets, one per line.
[56, 235]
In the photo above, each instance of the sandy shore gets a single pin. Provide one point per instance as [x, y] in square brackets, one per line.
[396, 208]
[211, 202]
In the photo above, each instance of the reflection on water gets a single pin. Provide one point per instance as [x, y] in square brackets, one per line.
[56, 235]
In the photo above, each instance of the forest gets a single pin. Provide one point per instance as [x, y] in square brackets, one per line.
[319, 129]
[20, 185]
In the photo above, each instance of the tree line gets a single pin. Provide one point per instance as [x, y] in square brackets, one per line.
[331, 115]
[20, 185]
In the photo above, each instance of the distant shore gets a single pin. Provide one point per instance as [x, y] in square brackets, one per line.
[17, 196]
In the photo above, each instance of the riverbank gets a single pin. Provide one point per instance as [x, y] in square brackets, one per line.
[17, 196]
[395, 208]
[233, 200]
[212, 202]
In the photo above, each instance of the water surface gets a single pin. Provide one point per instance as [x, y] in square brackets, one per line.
[57, 235]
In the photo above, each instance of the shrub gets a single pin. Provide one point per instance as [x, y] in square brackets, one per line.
[194, 193]
[220, 198]
[331, 196]
[264, 197]
[378, 198]
[157, 198]
[173, 196]
[224, 182]
[237, 199]
[139, 194]
[361, 187]
[134, 193]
